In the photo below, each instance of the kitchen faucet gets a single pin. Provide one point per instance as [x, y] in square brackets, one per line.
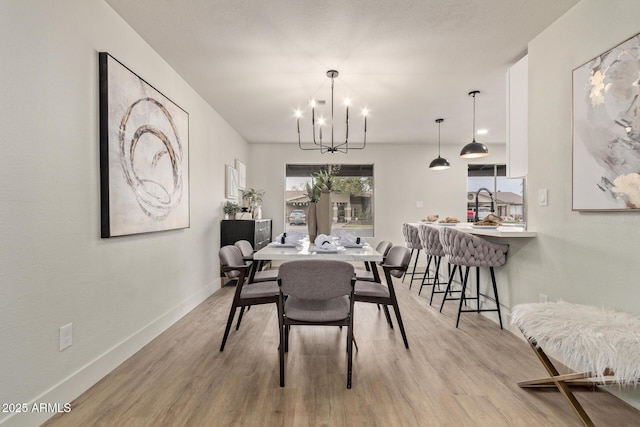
[490, 197]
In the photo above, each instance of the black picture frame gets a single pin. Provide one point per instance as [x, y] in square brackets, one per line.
[144, 155]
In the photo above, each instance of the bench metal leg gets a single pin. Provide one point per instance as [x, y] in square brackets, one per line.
[561, 382]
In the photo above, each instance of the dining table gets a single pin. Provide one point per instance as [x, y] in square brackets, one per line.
[305, 249]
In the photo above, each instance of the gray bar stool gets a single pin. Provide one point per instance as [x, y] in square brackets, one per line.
[430, 241]
[466, 250]
[411, 241]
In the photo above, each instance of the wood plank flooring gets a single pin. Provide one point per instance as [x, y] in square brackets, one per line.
[448, 377]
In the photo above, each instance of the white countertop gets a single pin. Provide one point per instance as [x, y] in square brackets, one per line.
[501, 231]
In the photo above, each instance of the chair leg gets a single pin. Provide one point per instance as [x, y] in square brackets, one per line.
[240, 317]
[495, 293]
[350, 351]
[399, 319]
[388, 316]
[281, 354]
[464, 289]
[447, 290]
[436, 279]
[426, 277]
[281, 337]
[415, 266]
[286, 338]
[232, 313]
[478, 289]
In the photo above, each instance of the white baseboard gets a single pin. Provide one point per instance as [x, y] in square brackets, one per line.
[81, 380]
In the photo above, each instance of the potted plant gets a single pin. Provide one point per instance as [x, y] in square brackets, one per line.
[230, 209]
[253, 197]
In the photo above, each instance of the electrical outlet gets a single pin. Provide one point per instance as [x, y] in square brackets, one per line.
[66, 336]
[543, 298]
[419, 204]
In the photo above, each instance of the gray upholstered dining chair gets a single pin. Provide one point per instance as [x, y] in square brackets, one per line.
[315, 292]
[395, 264]
[246, 294]
[256, 274]
[466, 250]
[370, 273]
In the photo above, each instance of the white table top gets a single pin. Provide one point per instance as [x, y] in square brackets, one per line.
[501, 231]
[307, 251]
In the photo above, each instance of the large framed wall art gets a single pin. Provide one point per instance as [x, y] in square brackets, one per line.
[606, 130]
[144, 155]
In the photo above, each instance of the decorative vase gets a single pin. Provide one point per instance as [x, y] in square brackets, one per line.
[257, 212]
[324, 213]
[226, 216]
[312, 223]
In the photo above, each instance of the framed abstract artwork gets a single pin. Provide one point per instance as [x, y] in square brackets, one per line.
[242, 175]
[144, 155]
[606, 130]
[231, 189]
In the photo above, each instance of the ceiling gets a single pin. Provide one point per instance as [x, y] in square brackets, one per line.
[410, 62]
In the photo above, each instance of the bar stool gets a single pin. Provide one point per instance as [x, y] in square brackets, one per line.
[430, 241]
[466, 250]
[411, 241]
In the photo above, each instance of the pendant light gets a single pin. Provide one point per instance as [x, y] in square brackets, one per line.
[474, 149]
[439, 163]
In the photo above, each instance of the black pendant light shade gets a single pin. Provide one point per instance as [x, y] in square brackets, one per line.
[439, 163]
[474, 149]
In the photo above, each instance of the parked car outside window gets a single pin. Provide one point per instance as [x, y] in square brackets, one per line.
[297, 216]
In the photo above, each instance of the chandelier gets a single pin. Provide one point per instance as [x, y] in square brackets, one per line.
[317, 126]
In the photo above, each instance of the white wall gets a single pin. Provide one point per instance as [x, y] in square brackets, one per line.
[581, 257]
[401, 177]
[54, 267]
[589, 258]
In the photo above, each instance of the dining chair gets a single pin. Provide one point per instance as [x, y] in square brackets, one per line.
[395, 264]
[315, 292]
[256, 274]
[246, 294]
[370, 274]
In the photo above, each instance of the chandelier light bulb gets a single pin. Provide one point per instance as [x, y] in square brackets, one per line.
[347, 102]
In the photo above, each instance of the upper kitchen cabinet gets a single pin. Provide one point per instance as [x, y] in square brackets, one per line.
[517, 121]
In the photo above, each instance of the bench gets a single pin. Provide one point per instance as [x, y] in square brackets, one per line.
[601, 345]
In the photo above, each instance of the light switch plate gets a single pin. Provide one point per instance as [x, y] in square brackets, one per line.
[419, 204]
[543, 197]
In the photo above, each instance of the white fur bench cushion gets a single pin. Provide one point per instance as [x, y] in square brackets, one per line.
[585, 338]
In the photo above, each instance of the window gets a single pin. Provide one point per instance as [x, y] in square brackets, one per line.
[489, 188]
[352, 199]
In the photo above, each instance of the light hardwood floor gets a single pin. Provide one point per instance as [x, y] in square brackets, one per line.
[448, 377]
